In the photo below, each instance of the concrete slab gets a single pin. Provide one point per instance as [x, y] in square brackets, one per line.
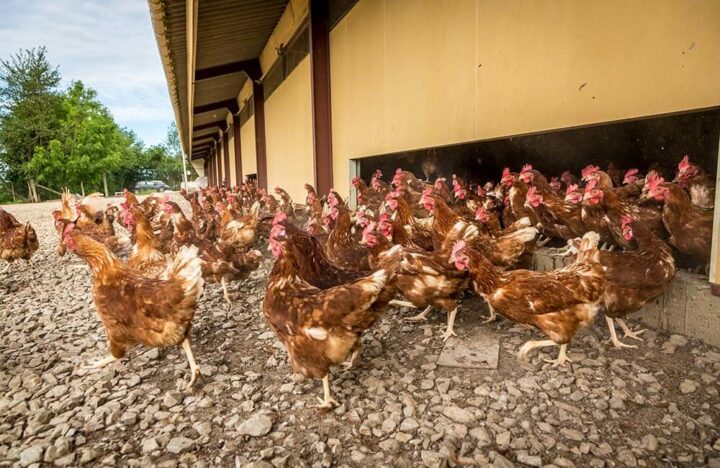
[478, 350]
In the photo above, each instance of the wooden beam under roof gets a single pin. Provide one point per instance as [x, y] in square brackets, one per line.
[206, 126]
[229, 104]
[250, 67]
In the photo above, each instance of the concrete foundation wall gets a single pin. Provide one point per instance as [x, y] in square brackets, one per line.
[687, 307]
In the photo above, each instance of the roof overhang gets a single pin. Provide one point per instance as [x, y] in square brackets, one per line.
[209, 49]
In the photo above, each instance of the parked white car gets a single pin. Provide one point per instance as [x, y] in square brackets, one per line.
[197, 184]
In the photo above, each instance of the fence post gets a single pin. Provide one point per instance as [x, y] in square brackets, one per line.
[82, 188]
[105, 184]
[12, 190]
[34, 189]
[31, 195]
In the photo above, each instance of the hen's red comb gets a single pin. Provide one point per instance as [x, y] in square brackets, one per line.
[370, 227]
[591, 184]
[654, 180]
[571, 188]
[685, 163]
[526, 168]
[589, 170]
[457, 247]
[625, 220]
[279, 217]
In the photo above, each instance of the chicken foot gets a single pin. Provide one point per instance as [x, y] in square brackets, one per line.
[327, 401]
[397, 303]
[194, 369]
[541, 242]
[530, 345]
[100, 362]
[629, 333]
[492, 317]
[561, 359]
[450, 324]
[421, 316]
[613, 334]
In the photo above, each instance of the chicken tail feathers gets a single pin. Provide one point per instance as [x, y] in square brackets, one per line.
[187, 268]
[521, 223]
[389, 261]
[587, 249]
[589, 241]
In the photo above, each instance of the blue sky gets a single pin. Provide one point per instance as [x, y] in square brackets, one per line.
[108, 44]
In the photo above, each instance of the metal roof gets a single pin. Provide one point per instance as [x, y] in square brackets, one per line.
[228, 32]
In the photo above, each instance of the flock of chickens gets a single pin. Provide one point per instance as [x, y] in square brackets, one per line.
[408, 243]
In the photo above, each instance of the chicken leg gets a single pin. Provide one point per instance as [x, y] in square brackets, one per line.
[194, 369]
[327, 401]
[397, 303]
[354, 358]
[226, 294]
[629, 333]
[421, 316]
[450, 324]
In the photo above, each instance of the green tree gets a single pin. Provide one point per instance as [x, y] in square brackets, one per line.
[89, 145]
[30, 109]
[172, 141]
[168, 166]
[65, 138]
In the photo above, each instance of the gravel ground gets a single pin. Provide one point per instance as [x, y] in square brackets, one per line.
[654, 406]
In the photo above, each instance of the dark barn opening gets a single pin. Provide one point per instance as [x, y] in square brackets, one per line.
[655, 142]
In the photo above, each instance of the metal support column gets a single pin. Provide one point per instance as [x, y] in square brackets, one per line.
[238, 149]
[320, 79]
[259, 105]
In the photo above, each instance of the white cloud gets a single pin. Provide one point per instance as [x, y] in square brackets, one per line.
[109, 45]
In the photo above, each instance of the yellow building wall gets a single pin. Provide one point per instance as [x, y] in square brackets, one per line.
[288, 133]
[414, 74]
[247, 146]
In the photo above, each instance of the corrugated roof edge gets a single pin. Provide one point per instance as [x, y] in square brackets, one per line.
[157, 16]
